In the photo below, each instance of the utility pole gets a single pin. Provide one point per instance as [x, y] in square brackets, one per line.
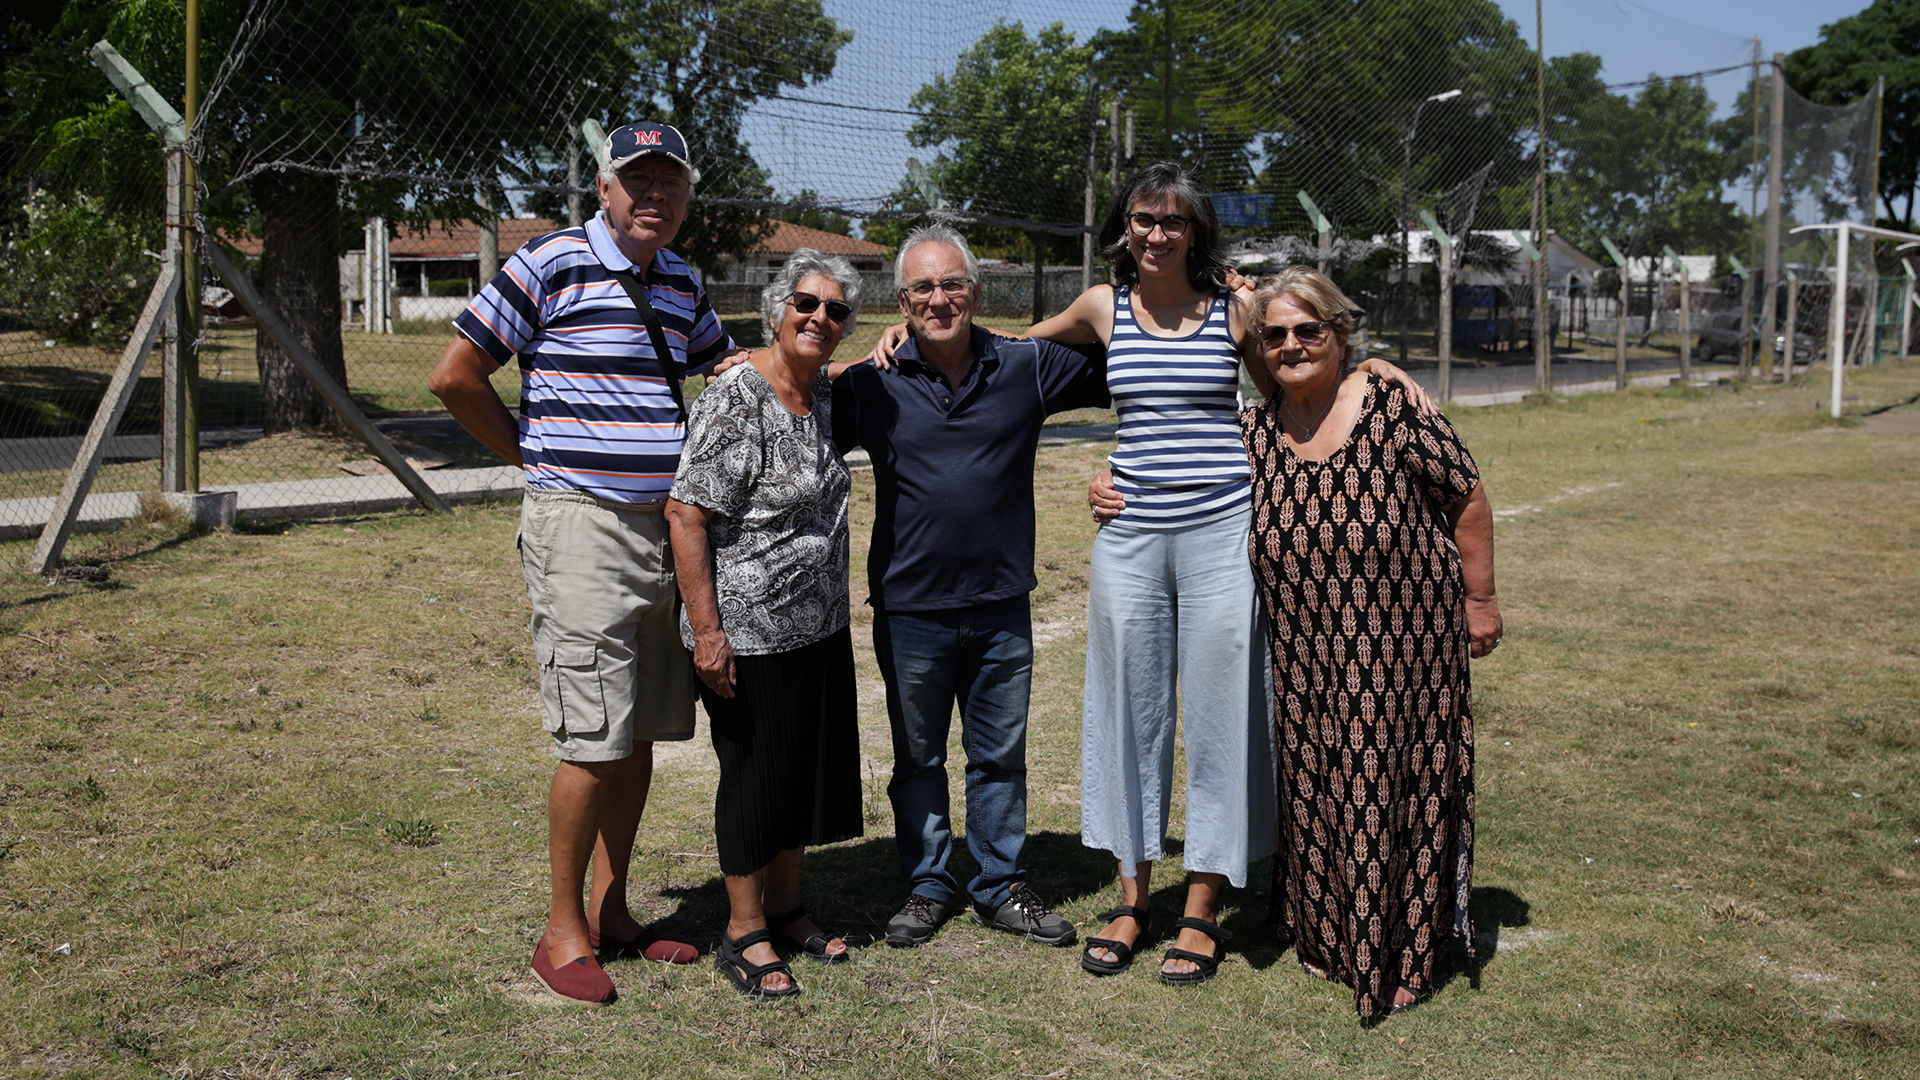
[1093, 182]
[1406, 211]
[1542, 322]
[180, 378]
[1113, 142]
[1443, 391]
[1753, 226]
[1166, 82]
[1769, 304]
[489, 238]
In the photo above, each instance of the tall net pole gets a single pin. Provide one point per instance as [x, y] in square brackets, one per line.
[1776, 139]
[180, 381]
[1542, 324]
[1753, 227]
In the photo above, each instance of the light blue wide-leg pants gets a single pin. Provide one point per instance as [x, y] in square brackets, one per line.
[1174, 628]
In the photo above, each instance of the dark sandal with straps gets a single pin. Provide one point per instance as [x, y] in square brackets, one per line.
[744, 974]
[1123, 952]
[816, 946]
[1205, 967]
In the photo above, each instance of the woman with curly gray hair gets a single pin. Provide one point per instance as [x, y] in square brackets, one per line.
[758, 519]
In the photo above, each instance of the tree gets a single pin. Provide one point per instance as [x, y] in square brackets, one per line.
[1647, 171]
[1853, 53]
[1011, 125]
[1327, 92]
[335, 110]
[806, 212]
[699, 65]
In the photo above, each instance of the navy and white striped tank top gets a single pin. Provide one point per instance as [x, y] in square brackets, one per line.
[1180, 460]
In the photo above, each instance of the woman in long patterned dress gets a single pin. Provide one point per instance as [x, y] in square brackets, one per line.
[1372, 545]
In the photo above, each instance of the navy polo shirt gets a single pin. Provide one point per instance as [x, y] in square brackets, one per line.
[954, 468]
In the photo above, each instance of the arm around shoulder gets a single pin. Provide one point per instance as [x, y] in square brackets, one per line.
[1087, 320]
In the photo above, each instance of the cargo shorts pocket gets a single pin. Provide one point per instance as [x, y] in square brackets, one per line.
[572, 689]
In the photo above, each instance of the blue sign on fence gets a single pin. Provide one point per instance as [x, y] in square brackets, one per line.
[1254, 211]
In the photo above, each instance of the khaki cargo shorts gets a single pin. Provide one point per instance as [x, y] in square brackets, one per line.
[606, 630]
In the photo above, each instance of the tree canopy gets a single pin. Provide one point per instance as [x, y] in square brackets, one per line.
[1010, 123]
[699, 66]
[334, 111]
[1646, 171]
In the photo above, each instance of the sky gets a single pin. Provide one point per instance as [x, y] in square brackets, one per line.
[1676, 36]
[896, 48]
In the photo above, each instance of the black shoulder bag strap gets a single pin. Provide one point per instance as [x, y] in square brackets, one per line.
[638, 294]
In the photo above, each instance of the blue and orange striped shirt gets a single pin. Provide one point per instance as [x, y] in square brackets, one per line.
[596, 415]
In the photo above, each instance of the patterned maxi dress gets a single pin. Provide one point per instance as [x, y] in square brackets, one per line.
[1361, 580]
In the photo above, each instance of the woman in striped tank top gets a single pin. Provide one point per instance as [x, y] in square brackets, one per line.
[1174, 626]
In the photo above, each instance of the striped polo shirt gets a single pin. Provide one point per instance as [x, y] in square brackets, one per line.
[1179, 460]
[596, 415]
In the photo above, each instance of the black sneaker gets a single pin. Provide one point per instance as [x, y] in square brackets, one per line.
[915, 923]
[1026, 914]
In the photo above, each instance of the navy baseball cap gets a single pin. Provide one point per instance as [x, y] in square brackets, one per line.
[634, 141]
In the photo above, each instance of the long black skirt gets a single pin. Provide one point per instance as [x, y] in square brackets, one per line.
[789, 747]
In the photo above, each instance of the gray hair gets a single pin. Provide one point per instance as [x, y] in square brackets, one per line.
[805, 263]
[610, 175]
[938, 234]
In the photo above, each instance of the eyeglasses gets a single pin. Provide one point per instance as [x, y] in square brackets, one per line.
[807, 304]
[953, 286]
[638, 181]
[1306, 333]
[1173, 226]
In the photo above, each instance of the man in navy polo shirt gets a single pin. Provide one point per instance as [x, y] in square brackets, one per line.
[599, 434]
[952, 429]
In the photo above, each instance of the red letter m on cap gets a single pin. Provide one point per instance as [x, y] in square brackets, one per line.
[646, 138]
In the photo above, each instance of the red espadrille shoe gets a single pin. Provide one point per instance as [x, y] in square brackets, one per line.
[648, 944]
[582, 982]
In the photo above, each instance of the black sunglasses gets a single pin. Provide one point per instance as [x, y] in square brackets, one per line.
[1306, 333]
[807, 304]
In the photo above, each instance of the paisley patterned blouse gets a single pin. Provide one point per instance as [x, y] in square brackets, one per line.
[778, 492]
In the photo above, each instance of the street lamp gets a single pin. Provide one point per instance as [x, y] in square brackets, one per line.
[1406, 239]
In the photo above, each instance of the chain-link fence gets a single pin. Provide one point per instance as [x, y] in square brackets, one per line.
[368, 167]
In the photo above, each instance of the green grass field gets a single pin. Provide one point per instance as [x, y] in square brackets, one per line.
[271, 803]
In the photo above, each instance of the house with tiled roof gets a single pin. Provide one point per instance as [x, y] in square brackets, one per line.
[764, 259]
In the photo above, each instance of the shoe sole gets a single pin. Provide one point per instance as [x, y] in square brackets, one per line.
[1068, 938]
[558, 996]
[904, 941]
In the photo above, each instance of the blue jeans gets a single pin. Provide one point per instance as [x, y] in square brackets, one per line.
[982, 658]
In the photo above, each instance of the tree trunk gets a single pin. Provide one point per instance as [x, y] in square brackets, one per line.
[1039, 280]
[300, 279]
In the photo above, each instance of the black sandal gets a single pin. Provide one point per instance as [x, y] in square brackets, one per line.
[744, 974]
[1123, 952]
[1206, 967]
[816, 946]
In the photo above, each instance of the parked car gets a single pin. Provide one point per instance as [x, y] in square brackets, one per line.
[1724, 340]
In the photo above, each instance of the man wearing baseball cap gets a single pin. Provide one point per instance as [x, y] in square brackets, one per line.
[599, 435]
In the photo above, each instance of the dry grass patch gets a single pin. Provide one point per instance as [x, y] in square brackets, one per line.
[281, 795]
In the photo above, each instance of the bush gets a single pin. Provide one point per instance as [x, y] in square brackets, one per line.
[76, 273]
